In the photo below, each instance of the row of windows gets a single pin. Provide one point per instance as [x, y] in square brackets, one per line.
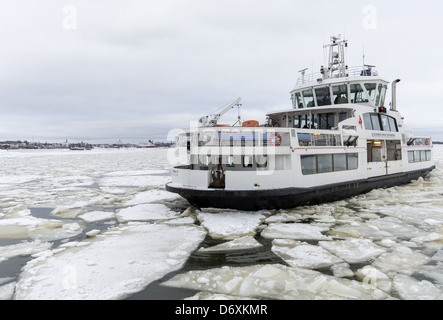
[379, 122]
[323, 163]
[340, 94]
[419, 156]
[324, 121]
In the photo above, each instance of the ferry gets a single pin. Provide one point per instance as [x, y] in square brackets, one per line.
[337, 140]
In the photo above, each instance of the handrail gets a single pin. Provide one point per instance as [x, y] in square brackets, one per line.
[358, 71]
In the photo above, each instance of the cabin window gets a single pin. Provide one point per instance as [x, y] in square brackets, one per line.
[324, 163]
[381, 95]
[309, 164]
[297, 121]
[340, 94]
[352, 161]
[372, 90]
[326, 121]
[340, 162]
[323, 96]
[308, 98]
[419, 156]
[296, 101]
[357, 94]
[367, 121]
[393, 124]
[385, 122]
[375, 122]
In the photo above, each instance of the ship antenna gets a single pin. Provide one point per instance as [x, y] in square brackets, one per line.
[363, 54]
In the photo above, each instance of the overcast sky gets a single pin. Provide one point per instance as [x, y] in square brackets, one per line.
[133, 70]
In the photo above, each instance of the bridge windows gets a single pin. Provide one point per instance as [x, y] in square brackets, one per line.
[373, 93]
[323, 96]
[340, 94]
[358, 95]
[379, 122]
[308, 99]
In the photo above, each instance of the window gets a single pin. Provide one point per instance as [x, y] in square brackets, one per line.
[381, 95]
[385, 122]
[340, 94]
[367, 121]
[372, 90]
[309, 164]
[428, 155]
[352, 161]
[231, 162]
[323, 96]
[340, 162]
[308, 98]
[419, 156]
[296, 101]
[297, 122]
[326, 121]
[357, 94]
[324, 163]
[393, 124]
[375, 122]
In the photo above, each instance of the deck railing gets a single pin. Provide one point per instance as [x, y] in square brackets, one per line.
[359, 71]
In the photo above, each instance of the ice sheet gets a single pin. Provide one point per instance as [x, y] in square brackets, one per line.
[150, 211]
[275, 282]
[230, 224]
[115, 264]
[296, 231]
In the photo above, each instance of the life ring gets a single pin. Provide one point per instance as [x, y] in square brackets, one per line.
[275, 139]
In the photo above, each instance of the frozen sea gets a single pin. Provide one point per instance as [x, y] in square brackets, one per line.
[99, 225]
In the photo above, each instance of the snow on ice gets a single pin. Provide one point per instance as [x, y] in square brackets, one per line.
[118, 263]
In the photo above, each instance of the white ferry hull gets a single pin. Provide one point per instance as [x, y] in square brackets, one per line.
[253, 200]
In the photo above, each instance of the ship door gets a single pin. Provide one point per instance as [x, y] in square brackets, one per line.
[218, 175]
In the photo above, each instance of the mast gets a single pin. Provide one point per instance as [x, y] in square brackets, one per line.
[337, 67]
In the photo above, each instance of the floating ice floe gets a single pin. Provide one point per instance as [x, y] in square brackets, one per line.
[94, 216]
[225, 224]
[246, 242]
[274, 282]
[151, 196]
[296, 231]
[23, 249]
[353, 250]
[412, 289]
[7, 288]
[37, 228]
[112, 265]
[143, 212]
[401, 260]
[303, 255]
